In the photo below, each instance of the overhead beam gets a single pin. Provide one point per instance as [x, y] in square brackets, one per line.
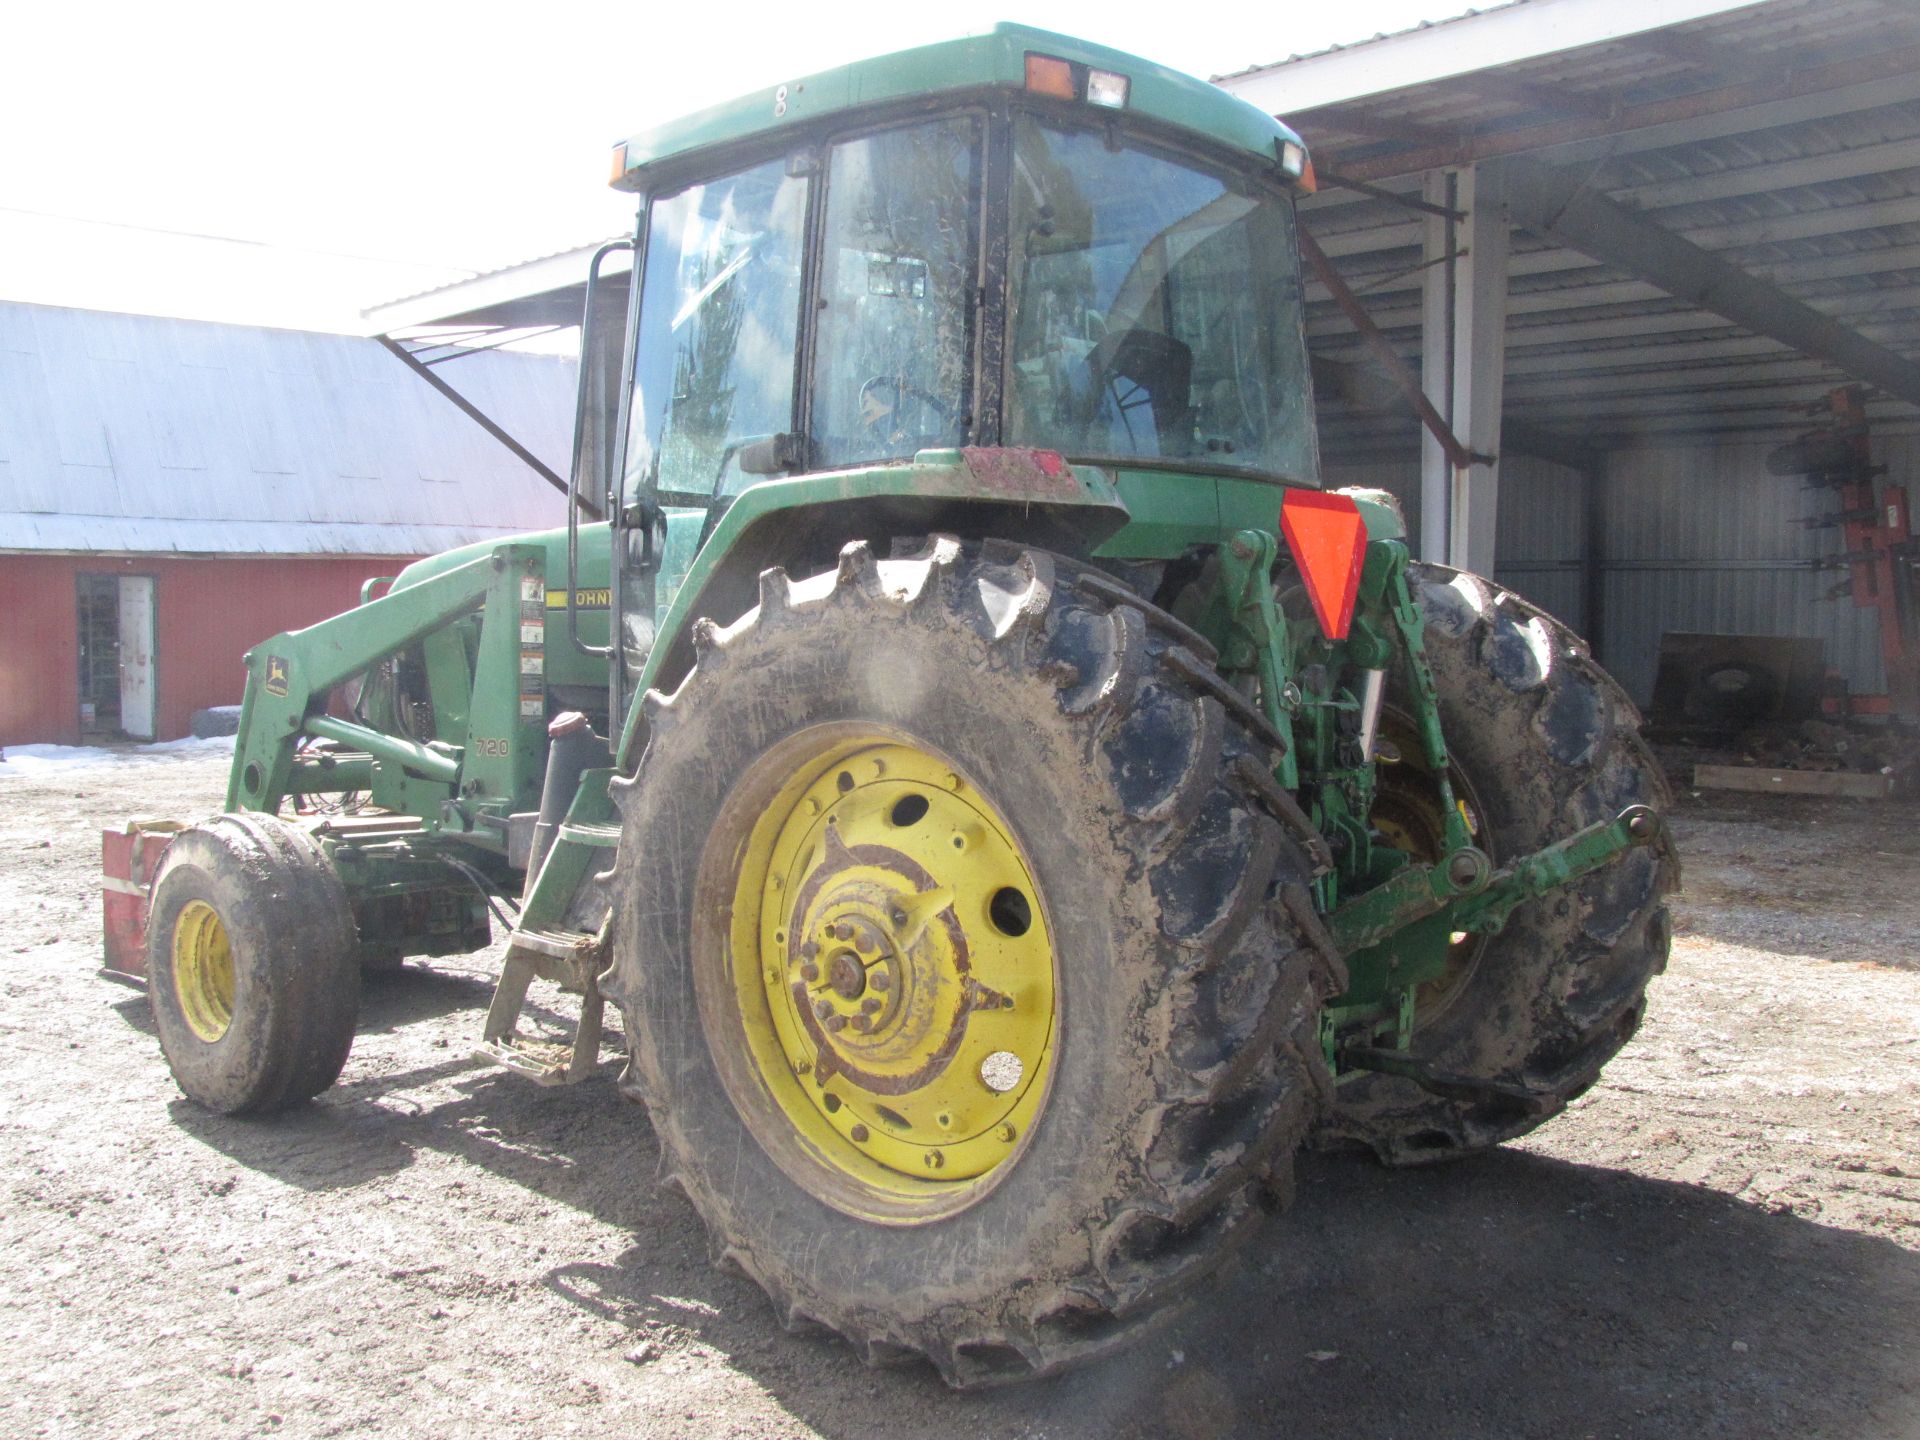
[1372, 127]
[1772, 176]
[1556, 203]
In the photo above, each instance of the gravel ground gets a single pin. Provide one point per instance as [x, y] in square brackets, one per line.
[1721, 1239]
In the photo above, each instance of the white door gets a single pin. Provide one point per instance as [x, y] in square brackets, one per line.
[136, 655]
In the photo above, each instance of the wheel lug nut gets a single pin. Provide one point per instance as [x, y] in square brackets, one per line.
[934, 1159]
[858, 1134]
[837, 1022]
[862, 1024]
[810, 972]
[1006, 1133]
[822, 1010]
[843, 931]
[880, 978]
[870, 1005]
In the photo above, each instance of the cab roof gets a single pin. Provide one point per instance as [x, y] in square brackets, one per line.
[996, 59]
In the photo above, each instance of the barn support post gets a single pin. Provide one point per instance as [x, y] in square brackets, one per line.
[1593, 555]
[1463, 361]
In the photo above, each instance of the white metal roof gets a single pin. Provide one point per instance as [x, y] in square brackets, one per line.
[137, 434]
[1507, 34]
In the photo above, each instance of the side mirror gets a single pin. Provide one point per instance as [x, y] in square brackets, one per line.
[772, 455]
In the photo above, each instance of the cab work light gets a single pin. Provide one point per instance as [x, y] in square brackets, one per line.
[1066, 80]
[1329, 544]
[1106, 88]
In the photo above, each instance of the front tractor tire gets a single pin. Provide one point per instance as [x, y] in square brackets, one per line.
[955, 961]
[253, 968]
[1543, 742]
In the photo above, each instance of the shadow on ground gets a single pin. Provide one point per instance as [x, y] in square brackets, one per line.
[1513, 1295]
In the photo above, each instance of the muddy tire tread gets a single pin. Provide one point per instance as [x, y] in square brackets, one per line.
[1231, 1093]
[1563, 987]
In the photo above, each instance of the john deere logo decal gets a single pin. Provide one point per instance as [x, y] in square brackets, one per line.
[276, 676]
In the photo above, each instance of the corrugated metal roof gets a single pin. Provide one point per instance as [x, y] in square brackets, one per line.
[1377, 38]
[1783, 137]
[131, 433]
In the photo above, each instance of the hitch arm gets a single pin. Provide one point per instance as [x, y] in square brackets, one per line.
[1558, 864]
[1479, 898]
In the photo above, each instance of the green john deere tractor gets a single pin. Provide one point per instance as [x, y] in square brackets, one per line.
[1012, 806]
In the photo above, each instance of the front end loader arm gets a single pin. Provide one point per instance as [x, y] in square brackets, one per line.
[290, 676]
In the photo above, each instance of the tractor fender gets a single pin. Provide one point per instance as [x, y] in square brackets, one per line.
[970, 492]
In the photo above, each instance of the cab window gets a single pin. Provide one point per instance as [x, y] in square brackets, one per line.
[893, 356]
[719, 321]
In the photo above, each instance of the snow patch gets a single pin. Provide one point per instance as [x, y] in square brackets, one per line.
[19, 761]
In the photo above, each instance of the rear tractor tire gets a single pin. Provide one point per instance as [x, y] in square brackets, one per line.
[253, 967]
[951, 942]
[1543, 742]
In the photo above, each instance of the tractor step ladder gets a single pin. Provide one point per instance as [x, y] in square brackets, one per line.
[548, 944]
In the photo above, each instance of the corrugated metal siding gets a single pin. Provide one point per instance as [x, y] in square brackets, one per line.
[1540, 524]
[132, 433]
[1698, 538]
[1703, 538]
[1540, 537]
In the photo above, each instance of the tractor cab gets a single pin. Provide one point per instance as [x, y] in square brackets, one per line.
[1027, 242]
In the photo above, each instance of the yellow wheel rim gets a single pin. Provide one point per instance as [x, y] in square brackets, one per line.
[890, 960]
[203, 970]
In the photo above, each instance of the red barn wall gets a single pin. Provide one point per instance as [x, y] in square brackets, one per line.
[208, 612]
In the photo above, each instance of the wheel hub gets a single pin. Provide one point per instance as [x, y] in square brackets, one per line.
[203, 970]
[900, 1003]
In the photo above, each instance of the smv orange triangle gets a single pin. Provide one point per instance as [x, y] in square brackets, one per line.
[1329, 543]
